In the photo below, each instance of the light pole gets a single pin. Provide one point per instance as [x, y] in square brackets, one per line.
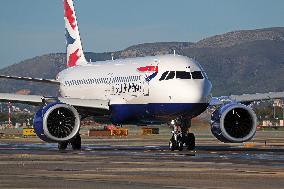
[9, 121]
[274, 110]
[282, 110]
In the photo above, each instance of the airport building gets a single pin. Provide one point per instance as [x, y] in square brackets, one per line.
[269, 123]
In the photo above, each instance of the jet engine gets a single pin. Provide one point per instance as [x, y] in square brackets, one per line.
[234, 123]
[57, 122]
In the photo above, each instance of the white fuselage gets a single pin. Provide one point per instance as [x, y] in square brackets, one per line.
[120, 81]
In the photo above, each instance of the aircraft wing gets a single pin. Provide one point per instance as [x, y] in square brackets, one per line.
[39, 100]
[40, 80]
[246, 98]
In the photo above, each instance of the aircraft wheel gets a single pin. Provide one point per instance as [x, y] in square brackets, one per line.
[172, 144]
[76, 142]
[190, 142]
[62, 145]
[180, 145]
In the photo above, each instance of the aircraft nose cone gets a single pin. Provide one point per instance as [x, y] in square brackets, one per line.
[204, 94]
[200, 92]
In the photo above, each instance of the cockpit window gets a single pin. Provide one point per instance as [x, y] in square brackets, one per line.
[197, 75]
[171, 75]
[183, 75]
[164, 75]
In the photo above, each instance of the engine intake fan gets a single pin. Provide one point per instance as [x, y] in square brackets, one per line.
[235, 123]
[57, 122]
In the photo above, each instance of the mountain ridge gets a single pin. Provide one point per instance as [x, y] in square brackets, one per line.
[249, 60]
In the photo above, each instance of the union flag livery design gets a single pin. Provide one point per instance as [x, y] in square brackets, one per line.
[69, 14]
[74, 49]
[150, 69]
[150, 77]
[73, 58]
[69, 39]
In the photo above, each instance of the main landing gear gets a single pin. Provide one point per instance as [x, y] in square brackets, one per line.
[180, 136]
[75, 143]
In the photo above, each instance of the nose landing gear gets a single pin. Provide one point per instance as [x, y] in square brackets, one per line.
[181, 137]
[176, 142]
[190, 141]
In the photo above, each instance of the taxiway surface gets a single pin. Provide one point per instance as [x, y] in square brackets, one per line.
[144, 162]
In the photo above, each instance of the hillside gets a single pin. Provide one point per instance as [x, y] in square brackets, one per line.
[236, 62]
[238, 37]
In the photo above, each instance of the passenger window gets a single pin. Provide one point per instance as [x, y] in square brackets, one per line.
[197, 75]
[163, 76]
[171, 75]
[183, 75]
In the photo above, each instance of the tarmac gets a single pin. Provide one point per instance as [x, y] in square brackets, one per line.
[138, 162]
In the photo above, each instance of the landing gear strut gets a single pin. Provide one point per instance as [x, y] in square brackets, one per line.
[75, 143]
[180, 136]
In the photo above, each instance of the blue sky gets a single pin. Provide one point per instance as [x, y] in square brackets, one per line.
[34, 27]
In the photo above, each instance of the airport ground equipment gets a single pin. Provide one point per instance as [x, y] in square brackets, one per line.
[150, 131]
[29, 132]
[106, 132]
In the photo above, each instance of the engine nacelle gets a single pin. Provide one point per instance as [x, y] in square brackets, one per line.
[234, 123]
[57, 122]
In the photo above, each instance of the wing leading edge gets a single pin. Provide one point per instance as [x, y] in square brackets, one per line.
[246, 98]
[39, 100]
[39, 80]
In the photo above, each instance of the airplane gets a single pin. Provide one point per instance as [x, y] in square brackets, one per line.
[144, 90]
